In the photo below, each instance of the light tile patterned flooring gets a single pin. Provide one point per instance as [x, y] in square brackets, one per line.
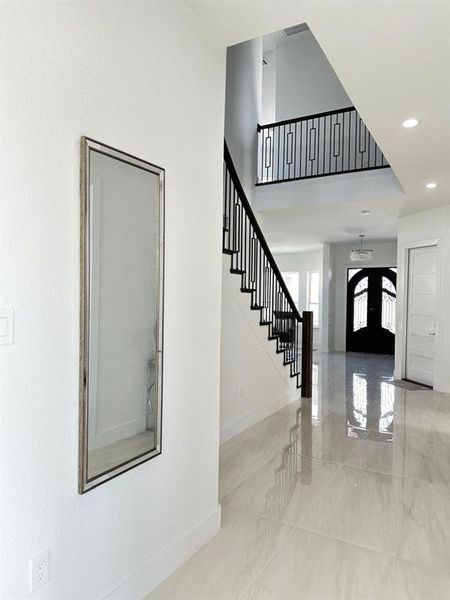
[346, 496]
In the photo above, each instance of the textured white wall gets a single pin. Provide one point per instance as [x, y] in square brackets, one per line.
[427, 226]
[145, 78]
[385, 255]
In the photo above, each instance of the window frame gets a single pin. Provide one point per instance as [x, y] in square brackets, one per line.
[296, 299]
[309, 304]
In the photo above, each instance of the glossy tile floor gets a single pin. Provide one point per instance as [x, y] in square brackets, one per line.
[344, 496]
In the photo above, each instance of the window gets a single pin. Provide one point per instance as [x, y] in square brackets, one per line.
[360, 304]
[352, 272]
[313, 295]
[358, 406]
[388, 305]
[291, 279]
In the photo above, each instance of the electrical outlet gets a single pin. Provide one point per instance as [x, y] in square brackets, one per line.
[38, 571]
[240, 391]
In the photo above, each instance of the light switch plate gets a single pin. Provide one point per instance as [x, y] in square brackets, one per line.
[6, 325]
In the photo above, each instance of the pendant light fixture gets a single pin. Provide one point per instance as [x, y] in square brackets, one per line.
[361, 254]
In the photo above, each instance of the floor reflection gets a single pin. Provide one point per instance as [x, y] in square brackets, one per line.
[296, 461]
[314, 507]
[370, 399]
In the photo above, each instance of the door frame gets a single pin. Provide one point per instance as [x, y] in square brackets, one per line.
[402, 301]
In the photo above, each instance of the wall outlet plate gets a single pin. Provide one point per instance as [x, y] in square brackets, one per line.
[38, 571]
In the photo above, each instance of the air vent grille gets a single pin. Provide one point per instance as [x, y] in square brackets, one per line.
[296, 29]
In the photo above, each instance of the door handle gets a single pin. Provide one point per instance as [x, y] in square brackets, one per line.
[432, 333]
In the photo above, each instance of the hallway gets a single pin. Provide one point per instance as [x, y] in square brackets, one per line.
[347, 497]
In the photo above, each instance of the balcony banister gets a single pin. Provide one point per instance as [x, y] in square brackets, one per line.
[317, 145]
[306, 117]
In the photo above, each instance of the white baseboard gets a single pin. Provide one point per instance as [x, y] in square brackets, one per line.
[442, 386]
[229, 431]
[140, 583]
[439, 385]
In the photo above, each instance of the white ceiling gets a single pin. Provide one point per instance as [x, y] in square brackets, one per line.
[299, 214]
[393, 59]
[300, 228]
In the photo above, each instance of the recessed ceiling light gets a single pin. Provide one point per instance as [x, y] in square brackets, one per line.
[365, 212]
[431, 185]
[410, 123]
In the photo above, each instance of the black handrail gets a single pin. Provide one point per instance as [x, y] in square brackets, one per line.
[253, 261]
[318, 145]
[306, 117]
[262, 240]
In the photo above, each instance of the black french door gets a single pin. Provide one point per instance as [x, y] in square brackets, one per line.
[371, 299]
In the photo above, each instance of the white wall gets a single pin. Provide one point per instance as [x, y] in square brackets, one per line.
[428, 226]
[253, 381]
[243, 108]
[269, 84]
[146, 79]
[306, 82]
[385, 255]
[325, 299]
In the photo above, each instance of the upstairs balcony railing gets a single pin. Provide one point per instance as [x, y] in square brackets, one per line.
[317, 145]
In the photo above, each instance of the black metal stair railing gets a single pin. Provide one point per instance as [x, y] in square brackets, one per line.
[253, 261]
[319, 145]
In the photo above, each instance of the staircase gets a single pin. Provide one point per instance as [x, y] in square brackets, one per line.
[252, 260]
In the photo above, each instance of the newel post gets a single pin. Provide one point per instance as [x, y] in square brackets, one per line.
[307, 353]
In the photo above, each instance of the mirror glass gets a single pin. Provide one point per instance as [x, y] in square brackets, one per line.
[121, 306]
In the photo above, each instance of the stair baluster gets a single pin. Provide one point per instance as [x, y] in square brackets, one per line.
[253, 261]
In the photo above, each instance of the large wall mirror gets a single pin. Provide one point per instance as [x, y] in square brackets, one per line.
[122, 244]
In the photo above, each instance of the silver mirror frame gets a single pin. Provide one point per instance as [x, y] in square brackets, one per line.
[84, 482]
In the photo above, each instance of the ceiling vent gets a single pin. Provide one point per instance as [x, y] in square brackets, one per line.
[295, 29]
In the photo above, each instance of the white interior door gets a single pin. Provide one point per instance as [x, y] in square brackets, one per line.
[421, 319]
